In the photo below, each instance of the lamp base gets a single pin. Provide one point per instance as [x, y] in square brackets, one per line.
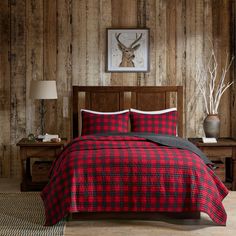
[42, 112]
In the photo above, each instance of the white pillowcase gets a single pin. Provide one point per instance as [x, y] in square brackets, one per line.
[154, 112]
[104, 113]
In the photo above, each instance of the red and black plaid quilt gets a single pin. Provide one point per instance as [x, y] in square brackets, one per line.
[130, 174]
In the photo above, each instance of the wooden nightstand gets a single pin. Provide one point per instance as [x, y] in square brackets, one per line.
[224, 150]
[41, 151]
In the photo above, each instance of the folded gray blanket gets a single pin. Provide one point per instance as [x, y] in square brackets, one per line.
[166, 140]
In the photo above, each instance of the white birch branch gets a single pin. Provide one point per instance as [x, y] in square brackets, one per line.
[206, 79]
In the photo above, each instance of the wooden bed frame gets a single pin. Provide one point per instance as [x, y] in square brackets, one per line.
[115, 98]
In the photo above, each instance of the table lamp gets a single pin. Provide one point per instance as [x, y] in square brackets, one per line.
[43, 89]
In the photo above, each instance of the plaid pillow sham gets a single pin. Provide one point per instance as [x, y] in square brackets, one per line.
[99, 122]
[160, 122]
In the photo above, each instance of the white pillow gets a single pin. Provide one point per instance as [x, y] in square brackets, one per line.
[104, 113]
[154, 112]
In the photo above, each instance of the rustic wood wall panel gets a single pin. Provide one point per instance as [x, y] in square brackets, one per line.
[50, 59]
[181, 47]
[17, 80]
[233, 70]
[199, 56]
[92, 59]
[79, 39]
[124, 14]
[161, 42]
[64, 67]
[5, 158]
[221, 20]
[147, 18]
[190, 85]
[34, 59]
[105, 21]
[171, 42]
[65, 40]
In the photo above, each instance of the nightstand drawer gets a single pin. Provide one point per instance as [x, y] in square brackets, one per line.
[40, 171]
[41, 152]
[219, 152]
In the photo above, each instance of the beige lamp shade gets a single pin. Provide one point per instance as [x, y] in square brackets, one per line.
[43, 89]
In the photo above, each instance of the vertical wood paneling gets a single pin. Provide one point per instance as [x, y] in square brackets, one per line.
[207, 44]
[34, 60]
[124, 15]
[5, 158]
[207, 31]
[105, 20]
[50, 39]
[64, 66]
[65, 40]
[92, 57]
[171, 42]
[221, 44]
[180, 42]
[18, 83]
[181, 46]
[161, 42]
[171, 47]
[199, 42]
[190, 85]
[141, 23]
[233, 68]
[148, 19]
[79, 40]
[49, 36]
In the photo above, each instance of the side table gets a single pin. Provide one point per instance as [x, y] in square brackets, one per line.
[224, 149]
[39, 150]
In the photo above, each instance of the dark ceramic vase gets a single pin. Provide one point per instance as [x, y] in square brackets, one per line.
[211, 126]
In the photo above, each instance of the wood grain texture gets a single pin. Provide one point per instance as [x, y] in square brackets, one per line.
[105, 21]
[65, 40]
[124, 15]
[233, 69]
[221, 41]
[34, 60]
[5, 158]
[17, 80]
[190, 85]
[93, 42]
[199, 57]
[161, 50]
[49, 39]
[171, 42]
[79, 29]
[50, 30]
[181, 47]
[147, 18]
[64, 68]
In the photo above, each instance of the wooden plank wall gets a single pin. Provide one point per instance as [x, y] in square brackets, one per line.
[5, 97]
[65, 40]
[233, 69]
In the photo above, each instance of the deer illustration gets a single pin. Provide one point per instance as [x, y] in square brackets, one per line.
[128, 52]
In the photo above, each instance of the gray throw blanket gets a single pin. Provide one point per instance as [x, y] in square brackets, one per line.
[166, 140]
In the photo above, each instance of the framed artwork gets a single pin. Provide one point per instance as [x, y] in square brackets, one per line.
[127, 50]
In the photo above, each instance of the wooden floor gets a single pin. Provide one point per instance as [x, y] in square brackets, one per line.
[146, 228]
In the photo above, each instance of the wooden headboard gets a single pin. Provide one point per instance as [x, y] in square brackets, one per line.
[115, 98]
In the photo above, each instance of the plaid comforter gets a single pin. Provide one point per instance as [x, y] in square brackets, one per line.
[130, 174]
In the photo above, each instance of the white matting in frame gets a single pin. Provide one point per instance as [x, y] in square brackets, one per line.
[127, 50]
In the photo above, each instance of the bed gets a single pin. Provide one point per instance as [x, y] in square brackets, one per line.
[131, 175]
